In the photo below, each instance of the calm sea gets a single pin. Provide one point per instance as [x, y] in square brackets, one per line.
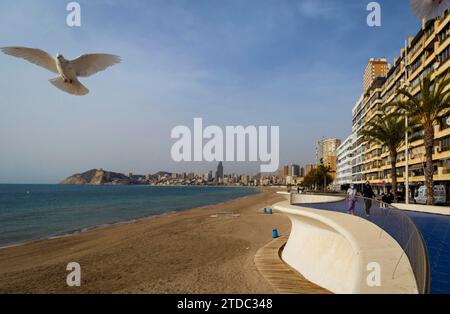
[30, 212]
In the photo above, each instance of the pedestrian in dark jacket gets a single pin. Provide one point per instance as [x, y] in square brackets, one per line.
[390, 198]
[368, 194]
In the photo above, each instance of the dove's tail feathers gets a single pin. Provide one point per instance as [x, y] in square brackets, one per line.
[74, 88]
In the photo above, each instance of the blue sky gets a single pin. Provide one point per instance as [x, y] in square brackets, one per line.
[293, 63]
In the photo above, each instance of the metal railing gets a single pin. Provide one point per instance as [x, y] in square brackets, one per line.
[395, 223]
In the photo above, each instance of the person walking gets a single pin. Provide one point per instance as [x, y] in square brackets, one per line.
[390, 198]
[368, 194]
[387, 198]
[352, 199]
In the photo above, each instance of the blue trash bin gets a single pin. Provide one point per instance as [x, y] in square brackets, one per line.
[275, 233]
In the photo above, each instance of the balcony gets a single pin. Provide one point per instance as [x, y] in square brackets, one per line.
[443, 171]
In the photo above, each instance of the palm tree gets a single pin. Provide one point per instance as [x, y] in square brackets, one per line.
[426, 110]
[387, 130]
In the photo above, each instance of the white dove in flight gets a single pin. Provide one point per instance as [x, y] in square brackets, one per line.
[429, 9]
[68, 70]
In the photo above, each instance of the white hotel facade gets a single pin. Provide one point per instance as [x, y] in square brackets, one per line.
[344, 163]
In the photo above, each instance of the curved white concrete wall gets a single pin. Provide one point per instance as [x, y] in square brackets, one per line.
[295, 198]
[286, 195]
[439, 210]
[333, 250]
[313, 199]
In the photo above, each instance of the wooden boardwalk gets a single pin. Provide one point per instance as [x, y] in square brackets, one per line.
[281, 276]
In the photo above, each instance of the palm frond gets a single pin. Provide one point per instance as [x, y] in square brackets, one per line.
[387, 129]
[427, 106]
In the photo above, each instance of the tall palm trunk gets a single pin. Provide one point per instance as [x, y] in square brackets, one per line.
[394, 173]
[429, 168]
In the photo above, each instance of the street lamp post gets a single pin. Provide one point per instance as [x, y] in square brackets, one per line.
[406, 84]
[406, 132]
[406, 162]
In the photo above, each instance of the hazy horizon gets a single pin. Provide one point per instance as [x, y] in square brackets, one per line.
[294, 64]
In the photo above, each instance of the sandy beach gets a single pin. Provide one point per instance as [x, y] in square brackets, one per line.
[202, 250]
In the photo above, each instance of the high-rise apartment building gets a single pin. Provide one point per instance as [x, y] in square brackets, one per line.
[367, 104]
[427, 54]
[209, 176]
[365, 108]
[344, 163]
[326, 154]
[286, 171]
[319, 153]
[375, 68]
[295, 170]
[219, 172]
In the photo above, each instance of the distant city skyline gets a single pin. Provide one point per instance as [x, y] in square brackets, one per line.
[295, 64]
[291, 174]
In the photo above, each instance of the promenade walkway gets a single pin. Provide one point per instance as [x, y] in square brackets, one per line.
[434, 228]
[283, 278]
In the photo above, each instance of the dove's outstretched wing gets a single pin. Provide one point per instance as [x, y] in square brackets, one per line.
[419, 8]
[35, 56]
[429, 9]
[89, 64]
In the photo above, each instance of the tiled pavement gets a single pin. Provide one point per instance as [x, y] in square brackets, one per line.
[436, 232]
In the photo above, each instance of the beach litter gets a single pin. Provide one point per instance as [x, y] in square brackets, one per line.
[225, 215]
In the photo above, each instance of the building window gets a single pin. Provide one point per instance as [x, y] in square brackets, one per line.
[443, 35]
[443, 122]
[445, 144]
[416, 64]
[444, 55]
